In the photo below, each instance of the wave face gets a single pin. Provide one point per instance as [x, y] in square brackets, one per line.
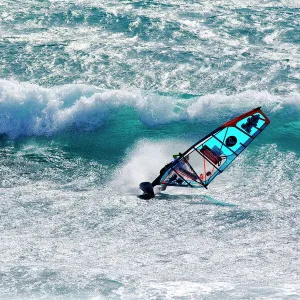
[95, 97]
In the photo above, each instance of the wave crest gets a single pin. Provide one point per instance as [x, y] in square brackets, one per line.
[28, 109]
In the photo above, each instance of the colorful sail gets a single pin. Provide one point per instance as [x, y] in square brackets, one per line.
[210, 156]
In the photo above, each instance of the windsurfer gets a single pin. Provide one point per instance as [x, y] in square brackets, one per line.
[168, 166]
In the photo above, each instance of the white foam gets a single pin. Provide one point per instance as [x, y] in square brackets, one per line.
[176, 289]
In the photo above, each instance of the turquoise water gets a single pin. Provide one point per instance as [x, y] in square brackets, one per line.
[95, 97]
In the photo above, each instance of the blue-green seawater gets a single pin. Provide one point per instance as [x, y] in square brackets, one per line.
[95, 97]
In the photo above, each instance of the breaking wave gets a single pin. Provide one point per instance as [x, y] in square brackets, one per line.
[32, 110]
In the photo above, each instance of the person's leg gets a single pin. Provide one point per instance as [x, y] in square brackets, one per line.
[156, 181]
[163, 187]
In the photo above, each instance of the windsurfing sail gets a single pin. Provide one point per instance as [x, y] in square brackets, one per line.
[202, 162]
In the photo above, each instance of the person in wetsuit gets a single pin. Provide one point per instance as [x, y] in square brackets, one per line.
[156, 181]
[166, 167]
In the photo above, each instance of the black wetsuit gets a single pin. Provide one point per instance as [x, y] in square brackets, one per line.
[161, 174]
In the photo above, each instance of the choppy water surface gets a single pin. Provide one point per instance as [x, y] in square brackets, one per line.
[95, 98]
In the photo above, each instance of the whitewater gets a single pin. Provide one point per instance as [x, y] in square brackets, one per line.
[96, 97]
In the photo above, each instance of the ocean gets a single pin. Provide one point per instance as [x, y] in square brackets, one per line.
[96, 97]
